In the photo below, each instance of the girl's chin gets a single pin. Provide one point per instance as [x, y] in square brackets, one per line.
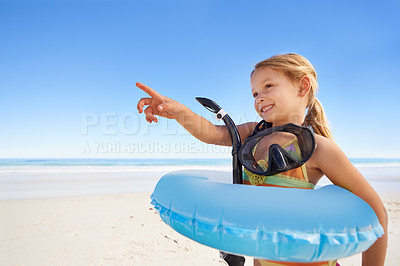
[267, 118]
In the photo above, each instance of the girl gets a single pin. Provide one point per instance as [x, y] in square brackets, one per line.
[283, 87]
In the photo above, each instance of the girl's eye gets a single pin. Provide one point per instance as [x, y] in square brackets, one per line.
[268, 86]
[255, 94]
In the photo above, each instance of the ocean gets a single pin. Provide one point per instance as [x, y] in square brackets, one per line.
[39, 178]
[358, 162]
[110, 162]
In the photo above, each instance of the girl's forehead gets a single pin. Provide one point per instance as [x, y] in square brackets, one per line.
[263, 74]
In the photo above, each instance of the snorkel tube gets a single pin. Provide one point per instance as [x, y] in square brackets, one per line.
[233, 132]
[232, 260]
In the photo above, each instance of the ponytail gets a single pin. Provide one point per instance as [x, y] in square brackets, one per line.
[316, 118]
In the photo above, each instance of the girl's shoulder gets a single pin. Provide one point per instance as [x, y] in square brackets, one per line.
[327, 152]
[246, 129]
[324, 146]
[323, 141]
[326, 155]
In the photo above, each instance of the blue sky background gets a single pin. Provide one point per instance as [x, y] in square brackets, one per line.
[68, 69]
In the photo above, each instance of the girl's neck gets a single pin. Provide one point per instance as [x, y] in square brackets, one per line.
[299, 120]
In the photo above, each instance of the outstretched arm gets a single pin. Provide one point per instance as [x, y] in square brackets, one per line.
[199, 127]
[338, 168]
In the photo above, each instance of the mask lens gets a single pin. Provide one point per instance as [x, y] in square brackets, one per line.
[276, 145]
[277, 149]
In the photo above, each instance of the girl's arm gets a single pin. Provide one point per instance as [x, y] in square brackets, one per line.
[338, 168]
[196, 125]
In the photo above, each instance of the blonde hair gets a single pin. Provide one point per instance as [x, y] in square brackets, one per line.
[295, 67]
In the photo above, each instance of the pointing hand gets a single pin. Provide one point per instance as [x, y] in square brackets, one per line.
[157, 104]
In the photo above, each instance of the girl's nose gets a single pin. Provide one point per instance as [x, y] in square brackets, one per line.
[259, 99]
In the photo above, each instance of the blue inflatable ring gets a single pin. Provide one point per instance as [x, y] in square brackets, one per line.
[266, 222]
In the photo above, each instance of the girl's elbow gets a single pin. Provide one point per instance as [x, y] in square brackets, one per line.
[215, 140]
[221, 142]
[219, 136]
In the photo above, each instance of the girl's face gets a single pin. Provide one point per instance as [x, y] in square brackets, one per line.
[276, 97]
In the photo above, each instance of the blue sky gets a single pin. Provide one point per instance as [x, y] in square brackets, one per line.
[68, 69]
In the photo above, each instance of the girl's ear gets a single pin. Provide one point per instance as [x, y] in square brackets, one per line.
[304, 86]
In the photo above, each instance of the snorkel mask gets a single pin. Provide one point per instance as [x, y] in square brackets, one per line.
[278, 159]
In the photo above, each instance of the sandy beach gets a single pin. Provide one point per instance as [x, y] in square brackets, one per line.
[120, 229]
[94, 230]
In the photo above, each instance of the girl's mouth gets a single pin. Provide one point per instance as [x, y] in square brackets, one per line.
[266, 108]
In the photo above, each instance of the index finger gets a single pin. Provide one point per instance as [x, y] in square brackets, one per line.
[147, 90]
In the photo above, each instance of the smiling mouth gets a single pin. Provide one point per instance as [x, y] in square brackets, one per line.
[267, 108]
